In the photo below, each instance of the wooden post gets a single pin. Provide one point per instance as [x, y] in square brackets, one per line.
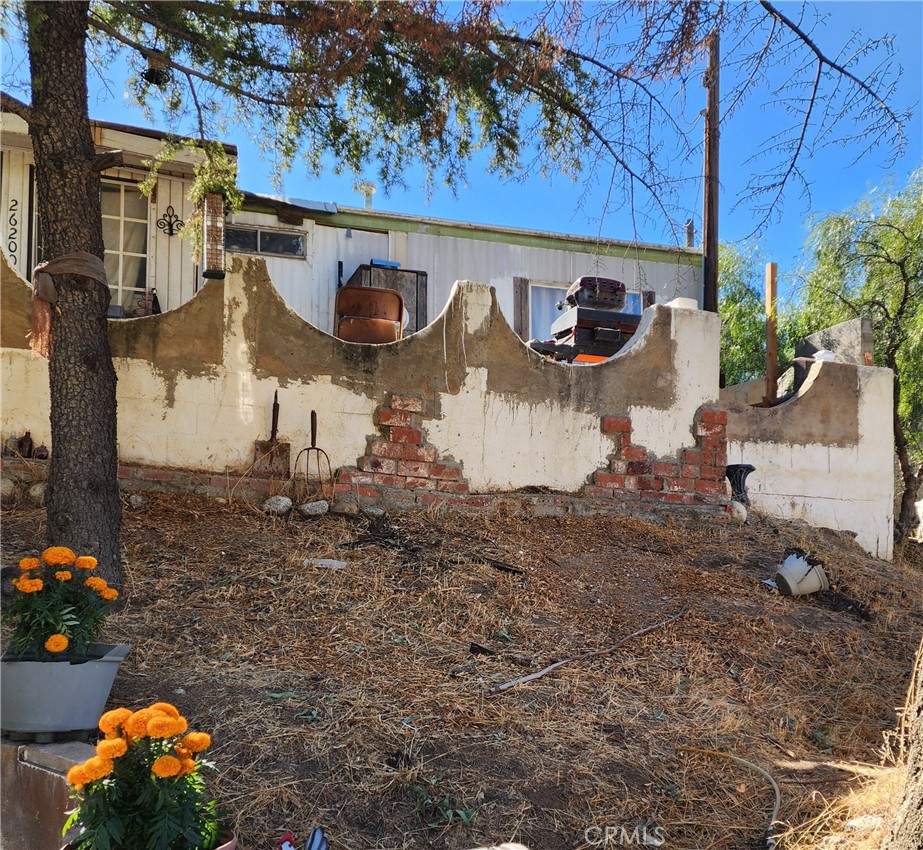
[772, 347]
[710, 214]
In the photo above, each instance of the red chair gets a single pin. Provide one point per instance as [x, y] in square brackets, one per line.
[368, 314]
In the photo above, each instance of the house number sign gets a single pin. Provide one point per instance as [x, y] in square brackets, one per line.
[12, 234]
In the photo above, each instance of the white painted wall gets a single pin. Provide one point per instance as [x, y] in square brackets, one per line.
[842, 487]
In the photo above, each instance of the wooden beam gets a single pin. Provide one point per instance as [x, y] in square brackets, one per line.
[772, 345]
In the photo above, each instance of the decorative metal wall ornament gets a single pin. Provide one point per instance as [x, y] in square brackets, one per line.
[170, 223]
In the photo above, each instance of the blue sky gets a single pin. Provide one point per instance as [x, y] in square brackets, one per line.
[555, 204]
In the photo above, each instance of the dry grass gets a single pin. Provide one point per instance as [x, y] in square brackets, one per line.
[350, 698]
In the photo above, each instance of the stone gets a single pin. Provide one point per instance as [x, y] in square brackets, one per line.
[373, 513]
[313, 509]
[136, 500]
[326, 563]
[863, 824]
[277, 505]
[738, 512]
[7, 488]
[37, 492]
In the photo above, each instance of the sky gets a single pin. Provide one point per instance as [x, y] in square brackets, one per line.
[561, 206]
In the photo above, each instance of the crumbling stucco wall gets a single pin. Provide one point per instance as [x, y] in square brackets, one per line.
[195, 386]
[825, 455]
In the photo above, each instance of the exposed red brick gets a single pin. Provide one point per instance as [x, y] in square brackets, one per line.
[631, 482]
[125, 472]
[394, 417]
[414, 468]
[597, 491]
[709, 429]
[425, 454]
[354, 476]
[431, 498]
[381, 448]
[713, 487]
[665, 470]
[692, 456]
[639, 467]
[367, 492]
[474, 502]
[219, 481]
[714, 444]
[678, 485]
[379, 464]
[609, 479]
[713, 415]
[649, 482]
[156, 475]
[452, 486]
[447, 471]
[406, 435]
[618, 466]
[634, 453]
[342, 488]
[689, 471]
[616, 425]
[421, 484]
[260, 485]
[714, 473]
[407, 402]
[387, 480]
[721, 459]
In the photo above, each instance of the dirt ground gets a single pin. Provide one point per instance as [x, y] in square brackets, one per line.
[358, 698]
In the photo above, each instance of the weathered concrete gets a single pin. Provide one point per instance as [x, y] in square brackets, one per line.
[826, 454]
[852, 342]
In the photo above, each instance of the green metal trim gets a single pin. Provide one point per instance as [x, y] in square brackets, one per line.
[505, 236]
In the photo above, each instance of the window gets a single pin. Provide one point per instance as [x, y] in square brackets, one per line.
[125, 214]
[251, 241]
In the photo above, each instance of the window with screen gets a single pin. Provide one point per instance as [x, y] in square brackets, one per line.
[255, 241]
[125, 217]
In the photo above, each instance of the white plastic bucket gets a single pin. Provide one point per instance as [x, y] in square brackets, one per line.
[797, 577]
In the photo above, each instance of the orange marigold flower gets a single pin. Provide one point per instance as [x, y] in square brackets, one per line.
[136, 725]
[166, 708]
[112, 748]
[32, 585]
[96, 767]
[30, 564]
[76, 776]
[86, 562]
[63, 575]
[166, 766]
[187, 766]
[58, 556]
[57, 643]
[112, 719]
[182, 751]
[96, 583]
[197, 741]
[163, 726]
[110, 594]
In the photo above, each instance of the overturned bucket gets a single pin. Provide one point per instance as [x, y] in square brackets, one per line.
[798, 576]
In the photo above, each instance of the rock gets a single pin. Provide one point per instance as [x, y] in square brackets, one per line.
[345, 506]
[373, 513]
[738, 512]
[7, 488]
[312, 509]
[37, 492]
[277, 505]
[136, 500]
[863, 824]
[328, 563]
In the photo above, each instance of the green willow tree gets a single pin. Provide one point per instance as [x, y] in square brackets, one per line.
[570, 90]
[868, 262]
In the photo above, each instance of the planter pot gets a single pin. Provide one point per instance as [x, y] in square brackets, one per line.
[798, 576]
[58, 696]
[229, 838]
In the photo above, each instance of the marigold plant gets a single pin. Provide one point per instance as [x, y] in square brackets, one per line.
[144, 788]
[53, 615]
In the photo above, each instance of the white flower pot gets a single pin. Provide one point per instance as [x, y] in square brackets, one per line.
[58, 696]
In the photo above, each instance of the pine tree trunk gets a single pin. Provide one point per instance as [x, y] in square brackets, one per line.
[907, 830]
[82, 498]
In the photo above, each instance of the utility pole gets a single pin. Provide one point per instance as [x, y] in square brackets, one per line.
[710, 214]
[772, 343]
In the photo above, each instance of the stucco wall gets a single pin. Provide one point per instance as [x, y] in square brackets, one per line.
[825, 455]
[195, 386]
